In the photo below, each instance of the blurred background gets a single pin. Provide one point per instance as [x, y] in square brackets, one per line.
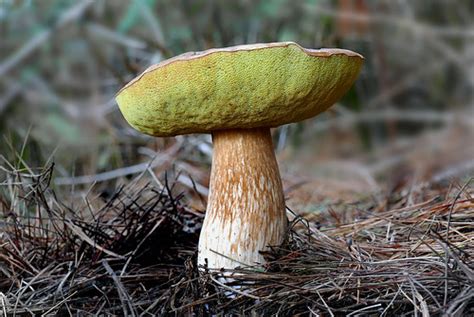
[408, 121]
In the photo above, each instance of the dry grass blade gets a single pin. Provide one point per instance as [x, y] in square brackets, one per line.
[385, 261]
[123, 295]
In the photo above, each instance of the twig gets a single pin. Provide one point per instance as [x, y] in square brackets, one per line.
[453, 171]
[115, 37]
[446, 268]
[400, 22]
[122, 292]
[392, 114]
[65, 299]
[89, 241]
[233, 289]
[70, 15]
[119, 172]
[355, 312]
[325, 304]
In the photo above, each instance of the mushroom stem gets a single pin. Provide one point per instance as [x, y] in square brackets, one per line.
[246, 208]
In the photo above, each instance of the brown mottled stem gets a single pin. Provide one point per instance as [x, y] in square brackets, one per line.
[246, 208]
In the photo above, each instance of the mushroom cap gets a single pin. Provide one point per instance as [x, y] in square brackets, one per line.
[245, 86]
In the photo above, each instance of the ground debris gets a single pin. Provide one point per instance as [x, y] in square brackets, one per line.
[133, 252]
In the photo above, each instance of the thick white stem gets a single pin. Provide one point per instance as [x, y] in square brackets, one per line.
[246, 209]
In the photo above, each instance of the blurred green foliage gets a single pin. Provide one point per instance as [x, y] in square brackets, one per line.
[78, 54]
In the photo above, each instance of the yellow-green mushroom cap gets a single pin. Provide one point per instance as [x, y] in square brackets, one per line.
[245, 86]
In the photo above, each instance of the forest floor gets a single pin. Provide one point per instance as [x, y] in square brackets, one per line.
[133, 252]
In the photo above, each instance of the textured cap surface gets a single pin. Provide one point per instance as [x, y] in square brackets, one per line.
[246, 86]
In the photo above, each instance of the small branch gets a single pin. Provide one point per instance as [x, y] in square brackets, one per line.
[119, 172]
[78, 231]
[397, 115]
[122, 292]
[70, 15]
[109, 35]
[422, 29]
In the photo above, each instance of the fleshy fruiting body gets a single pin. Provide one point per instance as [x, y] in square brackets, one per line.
[238, 94]
[248, 86]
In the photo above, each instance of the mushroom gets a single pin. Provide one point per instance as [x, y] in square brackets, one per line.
[237, 94]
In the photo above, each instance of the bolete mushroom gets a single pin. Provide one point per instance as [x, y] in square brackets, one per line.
[237, 94]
